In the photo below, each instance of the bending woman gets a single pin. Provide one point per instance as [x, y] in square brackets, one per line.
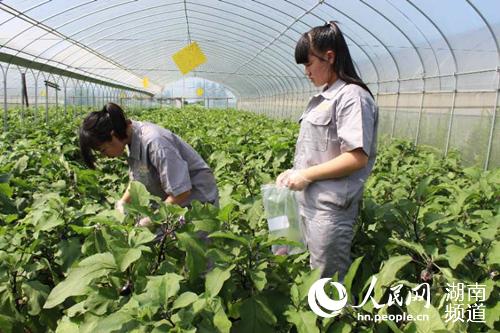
[167, 166]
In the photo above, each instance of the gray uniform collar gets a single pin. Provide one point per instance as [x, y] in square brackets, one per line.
[333, 90]
[135, 141]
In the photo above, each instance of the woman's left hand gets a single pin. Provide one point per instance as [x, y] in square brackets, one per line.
[297, 181]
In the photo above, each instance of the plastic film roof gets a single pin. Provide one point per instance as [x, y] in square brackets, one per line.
[406, 45]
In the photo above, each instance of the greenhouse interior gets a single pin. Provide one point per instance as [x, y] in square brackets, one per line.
[222, 76]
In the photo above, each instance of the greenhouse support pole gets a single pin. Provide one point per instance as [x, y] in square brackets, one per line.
[65, 100]
[57, 102]
[46, 104]
[490, 140]
[393, 128]
[452, 114]
[36, 99]
[420, 113]
[275, 106]
[282, 104]
[5, 115]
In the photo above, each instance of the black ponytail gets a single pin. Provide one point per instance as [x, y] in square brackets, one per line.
[329, 37]
[97, 128]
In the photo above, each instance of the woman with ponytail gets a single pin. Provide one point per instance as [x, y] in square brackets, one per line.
[169, 167]
[335, 150]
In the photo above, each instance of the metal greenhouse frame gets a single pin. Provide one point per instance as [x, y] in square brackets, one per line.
[434, 67]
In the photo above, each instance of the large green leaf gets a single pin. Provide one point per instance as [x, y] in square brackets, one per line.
[163, 287]
[113, 322]
[37, 294]
[139, 194]
[435, 322]
[456, 254]
[69, 252]
[492, 314]
[66, 325]
[351, 273]
[227, 235]
[215, 280]
[412, 246]
[256, 317]
[387, 274]
[185, 299]
[304, 321]
[125, 257]
[494, 253]
[195, 254]
[80, 277]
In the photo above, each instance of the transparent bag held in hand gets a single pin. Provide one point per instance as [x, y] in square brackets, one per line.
[283, 218]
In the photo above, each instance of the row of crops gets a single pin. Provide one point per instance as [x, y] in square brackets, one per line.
[70, 263]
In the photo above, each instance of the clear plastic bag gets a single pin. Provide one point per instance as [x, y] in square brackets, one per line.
[283, 218]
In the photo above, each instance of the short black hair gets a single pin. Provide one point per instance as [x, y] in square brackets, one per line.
[98, 127]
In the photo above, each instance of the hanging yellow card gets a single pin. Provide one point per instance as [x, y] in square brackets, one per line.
[199, 91]
[189, 58]
[43, 93]
[145, 82]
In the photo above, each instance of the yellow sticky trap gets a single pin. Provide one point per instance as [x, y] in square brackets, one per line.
[43, 94]
[189, 58]
[145, 82]
[123, 95]
[199, 91]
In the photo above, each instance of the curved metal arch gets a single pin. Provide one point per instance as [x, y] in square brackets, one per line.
[156, 51]
[438, 67]
[58, 27]
[205, 29]
[104, 29]
[353, 41]
[24, 12]
[345, 35]
[488, 26]
[149, 41]
[494, 116]
[256, 85]
[455, 64]
[226, 50]
[242, 16]
[281, 33]
[351, 36]
[111, 81]
[235, 93]
[237, 53]
[50, 17]
[156, 27]
[398, 72]
[402, 32]
[55, 32]
[128, 13]
[220, 17]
